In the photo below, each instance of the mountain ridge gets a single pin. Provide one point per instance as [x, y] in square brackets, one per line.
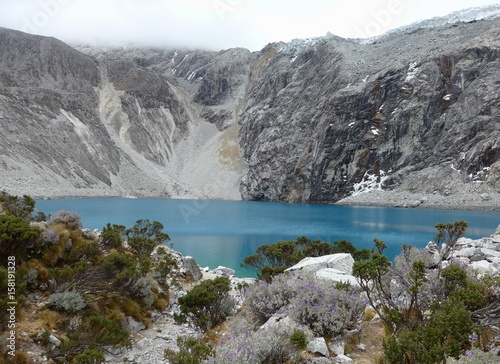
[297, 122]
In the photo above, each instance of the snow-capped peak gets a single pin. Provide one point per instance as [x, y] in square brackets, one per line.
[466, 15]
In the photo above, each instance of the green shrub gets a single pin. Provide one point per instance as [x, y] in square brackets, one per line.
[191, 351]
[272, 260]
[112, 236]
[298, 339]
[445, 334]
[208, 303]
[17, 238]
[89, 356]
[20, 207]
[88, 250]
[165, 266]
[144, 236]
[101, 331]
[121, 264]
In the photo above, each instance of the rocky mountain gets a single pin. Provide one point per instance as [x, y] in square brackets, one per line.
[76, 125]
[320, 120]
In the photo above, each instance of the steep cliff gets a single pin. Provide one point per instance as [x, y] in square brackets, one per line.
[322, 117]
[316, 120]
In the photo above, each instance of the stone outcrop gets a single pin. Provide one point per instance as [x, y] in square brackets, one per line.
[340, 262]
[333, 267]
[481, 255]
[317, 120]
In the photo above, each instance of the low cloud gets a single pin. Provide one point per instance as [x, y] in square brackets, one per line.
[213, 24]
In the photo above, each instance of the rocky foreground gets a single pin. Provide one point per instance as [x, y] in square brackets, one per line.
[481, 256]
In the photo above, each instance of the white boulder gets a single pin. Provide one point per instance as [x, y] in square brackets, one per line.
[225, 271]
[484, 267]
[279, 321]
[336, 275]
[318, 346]
[343, 359]
[341, 261]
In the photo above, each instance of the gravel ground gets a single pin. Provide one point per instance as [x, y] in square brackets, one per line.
[459, 201]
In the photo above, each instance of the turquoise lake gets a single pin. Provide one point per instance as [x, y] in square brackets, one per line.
[224, 232]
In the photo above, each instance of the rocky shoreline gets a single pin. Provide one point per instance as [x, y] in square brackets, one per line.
[458, 201]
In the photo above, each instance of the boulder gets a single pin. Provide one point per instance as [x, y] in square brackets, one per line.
[466, 252]
[433, 250]
[488, 243]
[343, 359]
[279, 321]
[225, 271]
[341, 261]
[191, 269]
[432, 247]
[484, 267]
[336, 275]
[318, 346]
[337, 346]
[54, 341]
[490, 253]
[133, 326]
[462, 242]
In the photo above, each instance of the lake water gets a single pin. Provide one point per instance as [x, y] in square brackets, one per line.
[224, 232]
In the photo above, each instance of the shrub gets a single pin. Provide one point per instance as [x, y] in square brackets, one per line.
[89, 356]
[17, 238]
[208, 303]
[272, 260]
[165, 266]
[429, 311]
[112, 236]
[475, 357]
[275, 345]
[21, 207]
[144, 236]
[50, 235]
[101, 331]
[122, 265]
[298, 339]
[266, 299]
[70, 219]
[327, 311]
[191, 351]
[445, 334]
[316, 303]
[88, 250]
[69, 301]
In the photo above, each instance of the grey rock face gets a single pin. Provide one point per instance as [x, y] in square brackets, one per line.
[191, 268]
[79, 125]
[320, 119]
[318, 346]
[306, 121]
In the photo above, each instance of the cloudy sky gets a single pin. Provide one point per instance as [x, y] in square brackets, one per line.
[216, 24]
